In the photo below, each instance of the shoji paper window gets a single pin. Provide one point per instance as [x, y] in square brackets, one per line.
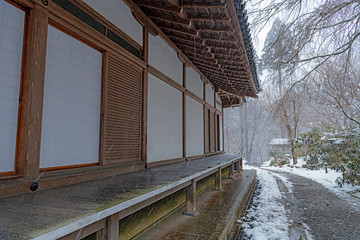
[72, 96]
[11, 42]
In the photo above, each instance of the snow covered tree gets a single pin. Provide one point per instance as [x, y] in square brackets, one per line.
[321, 29]
[336, 90]
[286, 105]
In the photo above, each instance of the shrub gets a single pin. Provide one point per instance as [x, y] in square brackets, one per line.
[340, 149]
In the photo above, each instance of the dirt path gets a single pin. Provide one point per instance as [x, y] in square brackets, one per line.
[310, 204]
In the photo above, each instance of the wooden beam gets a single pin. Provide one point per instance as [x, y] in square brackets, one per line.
[184, 113]
[103, 115]
[202, 50]
[218, 180]
[206, 64]
[234, 58]
[183, 38]
[212, 72]
[237, 166]
[95, 227]
[231, 63]
[145, 98]
[191, 199]
[184, 44]
[195, 97]
[189, 32]
[220, 44]
[165, 78]
[34, 77]
[225, 50]
[165, 8]
[218, 38]
[205, 58]
[231, 171]
[112, 227]
[195, 53]
[215, 29]
[209, 18]
[233, 71]
[187, 43]
[170, 20]
[204, 5]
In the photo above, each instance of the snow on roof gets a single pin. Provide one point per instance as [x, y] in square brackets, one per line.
[279, 141]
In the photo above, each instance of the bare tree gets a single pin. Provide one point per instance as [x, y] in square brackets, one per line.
[257, 135]
[337, 90]
[321, 29]
[287, 103]
[288, 110]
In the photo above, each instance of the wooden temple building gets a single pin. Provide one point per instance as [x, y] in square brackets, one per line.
[95, 89]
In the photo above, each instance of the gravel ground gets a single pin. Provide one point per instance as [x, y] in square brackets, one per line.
[311, 204]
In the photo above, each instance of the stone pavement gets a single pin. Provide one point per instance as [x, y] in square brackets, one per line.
[327, 215]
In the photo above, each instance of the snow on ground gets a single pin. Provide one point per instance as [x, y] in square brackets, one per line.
[286, 181]
[325, 179]
[266, 218]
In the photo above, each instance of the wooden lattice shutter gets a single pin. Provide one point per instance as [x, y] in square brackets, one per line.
[123, 112]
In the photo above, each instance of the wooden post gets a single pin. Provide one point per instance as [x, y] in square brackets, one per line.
[218, 185]
[231, 171]
[237, 165]
[33, 92]
[100, 235]
[204, 117]
[145, 98]
[105, 63]
[191, 199]
[112, 227]
[184, 111]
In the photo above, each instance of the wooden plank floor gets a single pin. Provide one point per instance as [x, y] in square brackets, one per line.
[57, 210]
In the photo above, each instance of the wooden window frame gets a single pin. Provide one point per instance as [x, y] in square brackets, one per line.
[18, 162]
[102, 94]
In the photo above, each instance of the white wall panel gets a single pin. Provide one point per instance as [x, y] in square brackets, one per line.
[72, 95]
[194, 82]
[194, 127]
[221, 133]
[209, 95]
[218, 98]
[165, 59]
[117, 12]
[164, 127]
[11, 42]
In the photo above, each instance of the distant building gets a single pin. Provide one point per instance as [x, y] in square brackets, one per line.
[279, 146]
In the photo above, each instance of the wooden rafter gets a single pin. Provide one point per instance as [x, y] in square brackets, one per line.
[230, 57]
[170, 20]
[186, 39]
[189, 32]
[165, 8]
[188, 43]
[214, 29]
[210, 18]
[201, 51]
[207, 33]
[204, 5]
[221, 44]
[219, 38]
[207, 59]
[206, 65]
